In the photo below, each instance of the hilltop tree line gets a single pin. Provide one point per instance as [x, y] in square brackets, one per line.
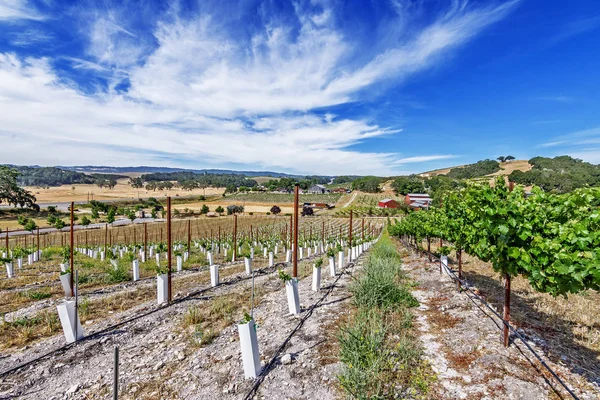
[289, 183]
[561, 174]
[52, 176]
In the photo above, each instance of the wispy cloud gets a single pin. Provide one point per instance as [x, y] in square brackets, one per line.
[30, 37]
[559, 99]
[199, 94]
[577, 138]
[575, 28]
[545, 122]
[421, 159]
[14, 10]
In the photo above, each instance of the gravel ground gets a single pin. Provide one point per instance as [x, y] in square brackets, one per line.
[465, 350]
[159, 361]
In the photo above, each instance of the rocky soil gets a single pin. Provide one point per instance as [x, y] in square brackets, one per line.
[463, 345]
[160, 359]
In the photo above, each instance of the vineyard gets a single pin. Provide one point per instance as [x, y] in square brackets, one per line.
[366, 205]
[216, 272]
[284, 198]
[549, 241]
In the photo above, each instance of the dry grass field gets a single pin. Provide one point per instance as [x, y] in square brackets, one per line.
[506, 168]
[516, 165]
[123, 191]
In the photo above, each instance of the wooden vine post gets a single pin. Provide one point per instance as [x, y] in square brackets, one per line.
[234, 237]
[71, 263]
[506, 311]
[459, 256]
[429, 248]
[189, 237]
[38, 242]
[363, 230]
[169, 247]
[350, 232]
[295, 255]
[291, 241]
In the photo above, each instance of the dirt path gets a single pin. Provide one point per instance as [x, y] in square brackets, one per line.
[351, 199]
[464, 348]
[160, 359]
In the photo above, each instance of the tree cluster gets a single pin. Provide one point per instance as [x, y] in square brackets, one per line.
[560, 174]
[369, 184]
[477, 170]
[234, 209]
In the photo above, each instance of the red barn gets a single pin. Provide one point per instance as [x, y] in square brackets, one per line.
[388, 203]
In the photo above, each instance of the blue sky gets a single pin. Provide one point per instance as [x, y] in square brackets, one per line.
[380, 87]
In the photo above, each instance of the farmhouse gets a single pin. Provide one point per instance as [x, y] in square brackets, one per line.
[318, 189]
[417, 200]
[388, 203]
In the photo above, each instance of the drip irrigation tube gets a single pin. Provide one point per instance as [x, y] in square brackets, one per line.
[466, 286]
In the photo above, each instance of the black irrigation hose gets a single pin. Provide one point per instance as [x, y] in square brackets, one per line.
[269, 366]
[466, 286]
[190, 296]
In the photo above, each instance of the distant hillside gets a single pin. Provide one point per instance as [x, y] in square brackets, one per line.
[506, 168]
[151, 170]
[53, 176]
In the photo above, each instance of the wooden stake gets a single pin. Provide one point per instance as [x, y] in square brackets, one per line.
[234, 237]
[169, 249]
[71, 263]
[295, 255]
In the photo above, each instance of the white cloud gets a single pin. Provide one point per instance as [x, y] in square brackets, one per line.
[30, 37]
[558, 99]
[421, 159]
[199, 96]
[13, 10]
[591, 156]
[582, 137]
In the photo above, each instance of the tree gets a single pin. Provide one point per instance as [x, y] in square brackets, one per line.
[112, 183]
[306, 211]
[501, 158]
[204, 209]
[136, 183]
[110, 217]
[85, 221]
[30, 225]
[95, 214]
[275, 210]
[509, 158]
[10, 192]
[234, 209]
[131, 214]
[59, 224]
[219, 210]
[368, 184]
[51, 209]
[408, 184]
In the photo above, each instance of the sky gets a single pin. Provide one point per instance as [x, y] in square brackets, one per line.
[329, 87]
